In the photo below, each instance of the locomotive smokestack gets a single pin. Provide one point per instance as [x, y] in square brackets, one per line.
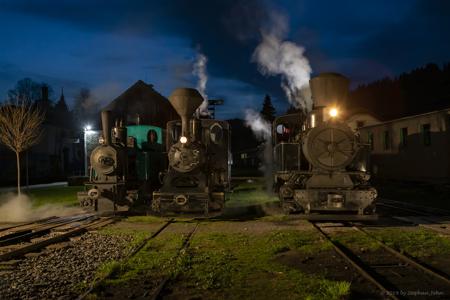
[185, 101]
[329, 89]
[106, 119]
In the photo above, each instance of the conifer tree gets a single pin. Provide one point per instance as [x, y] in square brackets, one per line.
[268, 111]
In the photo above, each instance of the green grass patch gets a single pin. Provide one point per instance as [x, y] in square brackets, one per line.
[226, 265]
[356, 240]
[418, 243]
[242, 266]
[64, 195]
[145, 219]
[153, 261]
[251, 193]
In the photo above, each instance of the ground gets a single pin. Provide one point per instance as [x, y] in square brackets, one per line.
[252, 252]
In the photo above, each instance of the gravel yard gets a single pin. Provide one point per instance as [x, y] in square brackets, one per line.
[62, 273]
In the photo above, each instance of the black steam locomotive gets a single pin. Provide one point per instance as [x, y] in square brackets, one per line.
[199, 161]
[124, 168]
[320, 163]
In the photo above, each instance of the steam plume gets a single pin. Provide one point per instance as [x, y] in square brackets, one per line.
[262, 130]
[259, 126]
[15, 208]
[277, 57]
[200, 71]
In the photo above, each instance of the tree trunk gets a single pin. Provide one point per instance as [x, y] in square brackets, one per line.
[18, 172]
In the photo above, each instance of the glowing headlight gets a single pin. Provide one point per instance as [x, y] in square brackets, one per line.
[183, 140]
[333, 112]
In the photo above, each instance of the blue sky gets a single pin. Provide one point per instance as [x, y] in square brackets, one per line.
[108, 45]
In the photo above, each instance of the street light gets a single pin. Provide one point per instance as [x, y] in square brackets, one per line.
[87, 132]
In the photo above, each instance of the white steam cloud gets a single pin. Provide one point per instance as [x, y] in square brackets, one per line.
[200, 71]
[14, 208]
[275, 56]
[260, 127]
[262, 130]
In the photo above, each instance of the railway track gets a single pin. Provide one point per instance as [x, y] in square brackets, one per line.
[159, 292]
[17, 241]
[133, 252]
[395, 273]
[435, 219]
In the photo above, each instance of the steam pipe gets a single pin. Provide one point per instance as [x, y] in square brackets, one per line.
[106, 117]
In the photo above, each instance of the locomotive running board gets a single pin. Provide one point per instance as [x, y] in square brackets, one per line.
[335, 217]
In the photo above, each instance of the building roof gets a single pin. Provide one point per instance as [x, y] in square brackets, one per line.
[446, 110]
[142, 101]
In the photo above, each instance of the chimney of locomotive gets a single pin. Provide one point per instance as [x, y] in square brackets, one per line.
[329, 93]
[106, 119]
[185, 101]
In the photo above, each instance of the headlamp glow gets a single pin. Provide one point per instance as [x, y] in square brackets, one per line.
[183, 140]
[333, 112]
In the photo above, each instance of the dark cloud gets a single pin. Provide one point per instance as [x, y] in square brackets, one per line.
[365, 40]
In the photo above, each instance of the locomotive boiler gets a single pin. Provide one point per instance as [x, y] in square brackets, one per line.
[124, 167]
[198, 175]
[320, 162]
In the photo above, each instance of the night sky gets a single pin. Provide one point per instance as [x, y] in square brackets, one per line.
[108, 45]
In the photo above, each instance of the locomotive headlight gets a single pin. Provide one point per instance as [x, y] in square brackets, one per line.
[333, 112]
[183, 140]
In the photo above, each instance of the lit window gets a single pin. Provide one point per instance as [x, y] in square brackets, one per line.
[313, 120]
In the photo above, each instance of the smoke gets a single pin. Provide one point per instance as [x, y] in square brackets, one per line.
[275, 56]
[199, 70]
[262, 130]
[14, 208]
[260, 127]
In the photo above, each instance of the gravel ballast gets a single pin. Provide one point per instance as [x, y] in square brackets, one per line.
[61, 273]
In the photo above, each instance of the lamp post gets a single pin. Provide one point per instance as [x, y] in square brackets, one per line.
[87, 132]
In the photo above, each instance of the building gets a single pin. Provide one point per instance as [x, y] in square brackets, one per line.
[413, 148]
[142, 104]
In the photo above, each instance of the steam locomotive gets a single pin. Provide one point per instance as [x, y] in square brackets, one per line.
[320, 162]
[198, 176]
[124, 168]
[130, 168]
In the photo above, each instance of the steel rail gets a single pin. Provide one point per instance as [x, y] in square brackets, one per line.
[429, 209]
[56, 239]
[359, 267]
[38, 222]
[41, 230]
[186, 243]
[404, 257]
[132, 253]
[425, 214]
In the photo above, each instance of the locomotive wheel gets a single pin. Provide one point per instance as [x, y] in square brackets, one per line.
[289, 206]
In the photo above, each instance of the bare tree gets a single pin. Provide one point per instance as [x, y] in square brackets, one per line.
[20, 128]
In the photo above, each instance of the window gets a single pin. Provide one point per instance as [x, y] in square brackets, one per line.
[426, 133]
[370, 139]
[243, 155]
[403, 136]
[386, 140]
[359, 124]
